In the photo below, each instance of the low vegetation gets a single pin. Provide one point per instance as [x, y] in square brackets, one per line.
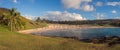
[105, 22]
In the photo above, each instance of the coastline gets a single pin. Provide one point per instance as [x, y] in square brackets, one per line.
[61, 26]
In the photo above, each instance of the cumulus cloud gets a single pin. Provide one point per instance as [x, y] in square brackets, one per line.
[62, 16]
[87, 7]
[30, 17]
[99, 4]
[114, 11]
[78, 4]
[113, 3]
[15, 1]
[100, 16]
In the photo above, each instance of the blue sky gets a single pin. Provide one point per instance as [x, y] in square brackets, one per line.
[66, 9]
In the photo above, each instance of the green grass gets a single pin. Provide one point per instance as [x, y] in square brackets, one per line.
[16, 41]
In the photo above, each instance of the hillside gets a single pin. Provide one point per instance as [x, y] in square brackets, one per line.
[105, 22]
[28, 23]
[3, 10]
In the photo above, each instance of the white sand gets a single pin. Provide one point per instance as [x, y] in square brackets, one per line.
[60, 26]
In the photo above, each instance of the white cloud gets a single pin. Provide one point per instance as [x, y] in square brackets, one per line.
[117, 18]
[114, 11]
[87, 7]
[30, 17]
[87, 0]
[62, 16]
[113, 3]
[78, 4]
[99, 4]
[100, 16]
[72, 4]
[15, 1]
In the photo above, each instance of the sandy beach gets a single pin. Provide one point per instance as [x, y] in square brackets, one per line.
[60, 26]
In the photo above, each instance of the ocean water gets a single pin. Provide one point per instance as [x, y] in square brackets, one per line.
[82, 33]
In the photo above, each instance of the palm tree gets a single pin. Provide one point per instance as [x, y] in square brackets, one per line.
[13, 20]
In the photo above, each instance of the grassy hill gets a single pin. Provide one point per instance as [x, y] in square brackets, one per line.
[3, 10]
[28, 23]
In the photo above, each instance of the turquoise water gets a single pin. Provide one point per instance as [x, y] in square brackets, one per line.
[82, 33]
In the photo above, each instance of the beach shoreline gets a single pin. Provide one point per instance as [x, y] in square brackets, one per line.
[61, 26]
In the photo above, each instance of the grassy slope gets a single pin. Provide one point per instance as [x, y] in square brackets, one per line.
[16, 41]
[28, 23]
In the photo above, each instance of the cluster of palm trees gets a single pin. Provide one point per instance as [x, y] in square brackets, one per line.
[13, 20]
